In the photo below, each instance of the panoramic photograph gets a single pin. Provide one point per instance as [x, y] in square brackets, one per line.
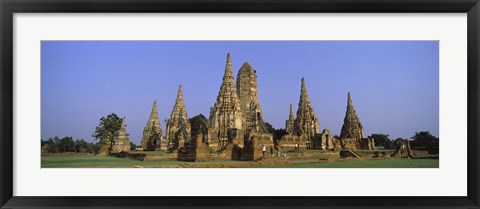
[239, 104]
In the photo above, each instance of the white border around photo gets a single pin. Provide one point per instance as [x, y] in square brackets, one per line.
[448, 180]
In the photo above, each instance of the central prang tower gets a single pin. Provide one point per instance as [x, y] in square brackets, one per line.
[247, 91]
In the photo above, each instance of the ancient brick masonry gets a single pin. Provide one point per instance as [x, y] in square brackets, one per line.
[306, 123]
[152, 133]
[178, 126]
[352, 134]
[290, 123]
[352, 127]
[226, 114]
[122, 143]
[247, 91]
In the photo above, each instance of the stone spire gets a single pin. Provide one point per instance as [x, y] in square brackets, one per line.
[122, 131]
[247, 91]
[352, 127]
[290, 123]
[307, 121]
[228, 75]
[152, 133]
[227, 113]
[303, 93]
[178, 120]
[122, 143]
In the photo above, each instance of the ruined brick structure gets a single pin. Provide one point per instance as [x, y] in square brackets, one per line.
[352, 135]
[122, 143]
[325, 141]
[178, 126]
[247, 91]
[290, 123]
[152, 133]
[226, 114]
[352, 127]
[306, 121]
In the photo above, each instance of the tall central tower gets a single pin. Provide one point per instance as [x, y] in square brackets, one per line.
[227, 112]
[247, 91]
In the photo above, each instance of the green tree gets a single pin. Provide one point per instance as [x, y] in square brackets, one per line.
[107, 128]
[133, 146]
[270, 128]
[425, 140]
[82, 146]
[277, 133]
[382, 140]
[66, 144]
[53, 144]
[96, 147]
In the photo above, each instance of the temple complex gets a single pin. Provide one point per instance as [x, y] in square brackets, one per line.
[152, 133]
[178, 126]
[236, 130]
[122, 143]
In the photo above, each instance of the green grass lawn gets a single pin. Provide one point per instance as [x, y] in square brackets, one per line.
[150, 152]
[386, 163]
[90, 161]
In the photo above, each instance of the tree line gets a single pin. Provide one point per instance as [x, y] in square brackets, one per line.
[68, 144]
[422, 140]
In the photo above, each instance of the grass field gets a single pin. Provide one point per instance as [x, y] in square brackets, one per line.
[386, 163]
[90, 161]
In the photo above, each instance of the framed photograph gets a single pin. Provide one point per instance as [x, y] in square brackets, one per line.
[195, 104]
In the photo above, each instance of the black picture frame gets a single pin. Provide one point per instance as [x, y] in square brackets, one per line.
[9, 7]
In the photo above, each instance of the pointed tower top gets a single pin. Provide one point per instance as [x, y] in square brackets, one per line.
[123, 123]
[228, 69]
[154, 108]
[179, 107]
[303, 91]
[291, 112]
[179, 95]
[246, 65]
[350, 103]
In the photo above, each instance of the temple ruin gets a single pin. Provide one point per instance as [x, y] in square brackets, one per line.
[351, 135]
[247, 91]
[304, 130]
[226, 116]
[152, 133]
[178, 126]
[306, 123]
[290, 123]
[121, 143]
[236, 129]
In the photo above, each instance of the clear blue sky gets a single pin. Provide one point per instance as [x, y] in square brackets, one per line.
[394, 84]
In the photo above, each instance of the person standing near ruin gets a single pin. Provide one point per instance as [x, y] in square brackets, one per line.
[271, 151]
[263, 149]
